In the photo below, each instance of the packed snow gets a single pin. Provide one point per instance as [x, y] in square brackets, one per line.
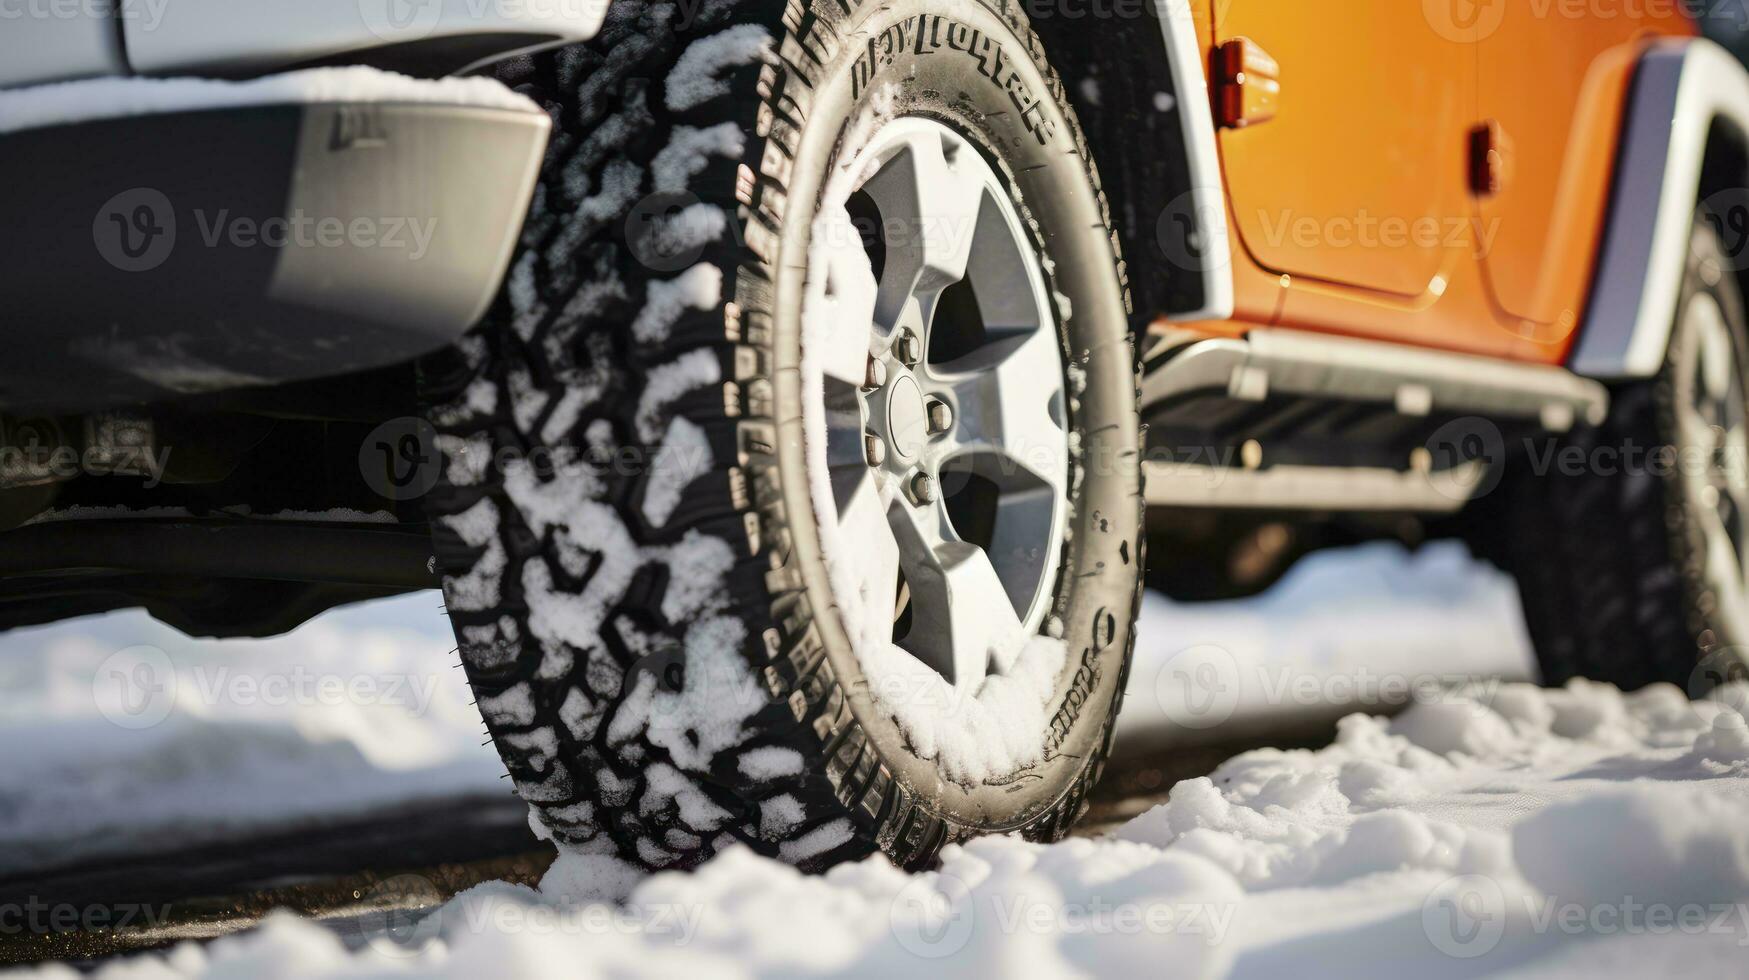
[688, 153]
[1364, 629]
[248, 741]
[123, 735]
[1489, 828]
[1499, 830]
[697, 76]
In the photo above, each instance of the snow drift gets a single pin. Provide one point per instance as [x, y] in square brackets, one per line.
[1498, 829]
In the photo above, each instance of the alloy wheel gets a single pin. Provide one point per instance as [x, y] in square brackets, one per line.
[945, 404]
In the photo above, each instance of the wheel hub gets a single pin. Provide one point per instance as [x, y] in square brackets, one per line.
[907, 428]
[944, 400]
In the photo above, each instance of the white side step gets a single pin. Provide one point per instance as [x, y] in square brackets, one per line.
[1416, 381]
[1319, 488]
[1412, 382]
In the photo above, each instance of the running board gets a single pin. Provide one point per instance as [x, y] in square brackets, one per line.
[1411, 383]
[1315, 488]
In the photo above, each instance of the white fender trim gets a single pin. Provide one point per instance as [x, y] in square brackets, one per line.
[1209, 205]
[1681, 90]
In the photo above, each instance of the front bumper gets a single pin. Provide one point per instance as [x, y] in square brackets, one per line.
[189, 251]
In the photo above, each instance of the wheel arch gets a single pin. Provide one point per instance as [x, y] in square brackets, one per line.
[1685, 141]
[1156, 156]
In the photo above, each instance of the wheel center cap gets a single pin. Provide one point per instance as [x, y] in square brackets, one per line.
[907, 422]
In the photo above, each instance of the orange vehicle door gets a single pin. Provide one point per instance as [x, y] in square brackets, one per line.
[1359, 179]
[1553, 85]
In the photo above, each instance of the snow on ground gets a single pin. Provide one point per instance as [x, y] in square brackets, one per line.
[1510, 830]
[1495, 829]
[122, 734]
[364, 707]
[364, 710]
[1363, 629]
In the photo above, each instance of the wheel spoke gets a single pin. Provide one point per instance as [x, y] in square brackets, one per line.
[1722, 560]
[930, 195]
[872, 553]
[845, 295]
[961, 613]
[1013, 413]
[1716, 358]
[1031, 413]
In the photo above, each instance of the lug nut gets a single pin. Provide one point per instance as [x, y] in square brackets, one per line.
[909, 349]
[876, 378]
[923, 488]
[875, 449]
[940, 417]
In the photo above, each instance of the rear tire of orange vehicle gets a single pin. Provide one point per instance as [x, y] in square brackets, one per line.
[1626, 574]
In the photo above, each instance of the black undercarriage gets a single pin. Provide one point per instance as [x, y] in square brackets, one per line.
[245, 513]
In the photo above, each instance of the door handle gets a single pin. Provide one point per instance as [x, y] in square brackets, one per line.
[1247, 84]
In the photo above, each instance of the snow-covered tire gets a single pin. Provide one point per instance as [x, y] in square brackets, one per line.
[660, 659]
[1612, 559]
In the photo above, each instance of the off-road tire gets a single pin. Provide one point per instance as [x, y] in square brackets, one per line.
[1608, 557]
[642, 718]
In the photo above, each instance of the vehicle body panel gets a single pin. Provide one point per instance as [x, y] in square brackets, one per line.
[1556, 87]
[1509, 276]
[1368, 137]
[227, 36]
[83, 44]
